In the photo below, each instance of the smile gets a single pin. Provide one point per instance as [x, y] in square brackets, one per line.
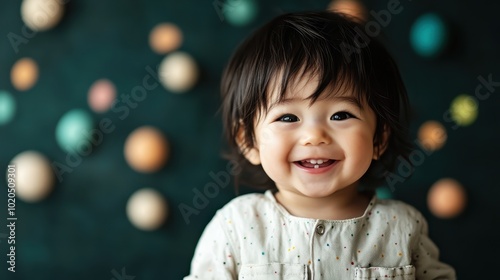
[315, 163]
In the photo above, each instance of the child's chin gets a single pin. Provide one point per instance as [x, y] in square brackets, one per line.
[317, 191]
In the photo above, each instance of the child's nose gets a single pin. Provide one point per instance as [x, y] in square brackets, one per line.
[315, 134]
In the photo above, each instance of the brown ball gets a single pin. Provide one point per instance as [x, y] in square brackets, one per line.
[446, 198]
[146, 149]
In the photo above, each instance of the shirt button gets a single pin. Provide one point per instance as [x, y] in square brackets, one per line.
[320, 229]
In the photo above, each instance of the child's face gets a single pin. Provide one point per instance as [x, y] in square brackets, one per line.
[314, 150]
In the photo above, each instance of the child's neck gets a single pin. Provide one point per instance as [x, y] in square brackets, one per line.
[345, 204]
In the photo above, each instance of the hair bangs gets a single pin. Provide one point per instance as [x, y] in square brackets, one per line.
[296, 54]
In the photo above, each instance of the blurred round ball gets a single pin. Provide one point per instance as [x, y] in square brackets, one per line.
[101, 95]
[146, 149]
[352, 8]
[34, 176]
[463, 110]
[178, 72]
[446, 198]
[73, 131]
[432, 135]
[429, 35]
[7, 107]
[165, 37]
[24, 74]
[41, 15]
[147, 209]
[239, 12]
[383, 193]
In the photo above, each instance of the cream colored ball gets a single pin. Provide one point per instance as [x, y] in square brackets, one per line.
[41, 15]
[147, 209]
[178, 72]
[34, 178]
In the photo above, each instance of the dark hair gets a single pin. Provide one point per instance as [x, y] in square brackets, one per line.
[332, 46]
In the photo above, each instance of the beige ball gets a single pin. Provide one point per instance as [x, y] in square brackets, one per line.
[147, 209]
[24, 74]
[432, 135]
[41, 15]
[446, 198]
[34, 176]
[165, 37]
[178, 72]
[146, 149]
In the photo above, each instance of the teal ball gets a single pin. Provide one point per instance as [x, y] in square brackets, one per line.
[429, 35]
[383, 193]
[240, 12]
[7, 107]
[73, 131]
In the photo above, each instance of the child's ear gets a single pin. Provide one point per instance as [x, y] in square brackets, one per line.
[251, 153]
[380, 147]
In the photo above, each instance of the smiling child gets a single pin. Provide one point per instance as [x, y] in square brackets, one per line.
[317, 112]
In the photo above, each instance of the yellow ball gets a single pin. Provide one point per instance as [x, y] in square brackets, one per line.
[446, 198]
[463, 110]
[432, 135]
[34, 178]
[24, 74]
[147, 209]
[146, 149]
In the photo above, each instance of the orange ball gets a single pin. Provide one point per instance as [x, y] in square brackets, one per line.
[349, 7]
[165, 37]
[446, 198]
[24, 74]
[432, 135]
[146, 149]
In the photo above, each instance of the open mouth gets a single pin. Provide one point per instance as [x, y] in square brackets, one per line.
[315, 163]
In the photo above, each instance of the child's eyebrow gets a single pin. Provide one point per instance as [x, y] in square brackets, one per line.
[347, 99]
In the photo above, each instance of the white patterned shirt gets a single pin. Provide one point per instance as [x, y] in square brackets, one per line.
[254, 237]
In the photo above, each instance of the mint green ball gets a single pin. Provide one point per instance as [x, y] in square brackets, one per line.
[73, 130]
[240, 12]
[7, 107]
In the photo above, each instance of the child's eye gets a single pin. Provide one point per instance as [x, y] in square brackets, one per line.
[340, 116]
[288, 118]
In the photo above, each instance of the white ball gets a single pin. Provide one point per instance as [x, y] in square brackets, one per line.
[41, 15]
[34, 176]
[147, 209]
[178, 72]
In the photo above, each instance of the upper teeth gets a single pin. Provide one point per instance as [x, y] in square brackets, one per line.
[316, 161]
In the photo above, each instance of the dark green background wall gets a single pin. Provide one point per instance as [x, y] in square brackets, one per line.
[81, 230]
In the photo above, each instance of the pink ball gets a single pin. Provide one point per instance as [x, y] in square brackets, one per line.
[101, 95]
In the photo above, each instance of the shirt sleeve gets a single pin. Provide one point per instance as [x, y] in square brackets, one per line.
[213, 257]
[426, 257]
